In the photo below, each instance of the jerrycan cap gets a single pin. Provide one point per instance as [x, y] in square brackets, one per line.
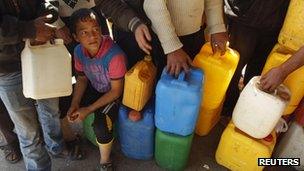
[300, 118]
[134, 115]
[269, 138]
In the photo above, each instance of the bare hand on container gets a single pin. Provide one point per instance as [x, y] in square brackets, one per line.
[219, 42]
[177, 61]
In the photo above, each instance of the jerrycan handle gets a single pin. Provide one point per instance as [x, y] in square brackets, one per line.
[281, 126]
[47, 44]
[217, 55]
[182, 76]
[281, 91]
[181, 79]
[136, 70]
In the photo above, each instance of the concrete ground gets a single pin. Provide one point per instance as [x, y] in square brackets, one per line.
[201, 158]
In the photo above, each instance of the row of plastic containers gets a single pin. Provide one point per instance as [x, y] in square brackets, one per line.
[174, 117]
[218, 71]
[178, 102]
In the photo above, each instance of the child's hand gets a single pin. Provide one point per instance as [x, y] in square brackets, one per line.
[73, 108]
[272, 79]
[79, 115]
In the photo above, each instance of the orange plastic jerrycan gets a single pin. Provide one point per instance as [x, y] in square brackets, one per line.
[237, 151]
[139, 83]
[292, 35]
[294, 81]
[218, 74]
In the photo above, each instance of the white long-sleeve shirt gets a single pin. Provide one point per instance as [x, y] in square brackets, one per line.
[173, 18]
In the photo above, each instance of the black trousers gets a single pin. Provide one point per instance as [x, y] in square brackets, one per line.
[126, 40]
[254, 46]
[104, 117]
[7, 136]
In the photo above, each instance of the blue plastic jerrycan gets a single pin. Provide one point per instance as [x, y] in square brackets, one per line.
[137, 138]
[178, 101]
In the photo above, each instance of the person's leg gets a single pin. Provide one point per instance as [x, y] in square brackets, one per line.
[23, 113]
[103, 124]
[7, 134]
[264, 45]
[158, 55]
[8, 139]
[103, 128]
[242, 39]
[193, 43]
[48, 115]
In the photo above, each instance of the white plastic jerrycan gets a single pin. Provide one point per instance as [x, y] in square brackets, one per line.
[257, 112]
[46, 70]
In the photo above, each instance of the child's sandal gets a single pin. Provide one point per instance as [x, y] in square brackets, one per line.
[106, 167]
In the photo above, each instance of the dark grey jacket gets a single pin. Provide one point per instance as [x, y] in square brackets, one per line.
[125, 14]
[16, 23]
[267, 15]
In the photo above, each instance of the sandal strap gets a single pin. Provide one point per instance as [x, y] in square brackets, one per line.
[75, 153]
[106, 167]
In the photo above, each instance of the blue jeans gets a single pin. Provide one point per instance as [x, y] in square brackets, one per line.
[48, 116]
[24, 115]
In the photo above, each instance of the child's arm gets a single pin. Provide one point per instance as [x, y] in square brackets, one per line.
[79, 90]
[110, 96]
[273, 78]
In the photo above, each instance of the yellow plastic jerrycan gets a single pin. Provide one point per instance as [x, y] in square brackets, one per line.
[208, 119]
[139, 83]
[295, 80]
[218, 73]
[238, 152]
[292, 35]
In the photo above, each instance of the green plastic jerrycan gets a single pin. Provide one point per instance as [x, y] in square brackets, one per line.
[171, 150]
